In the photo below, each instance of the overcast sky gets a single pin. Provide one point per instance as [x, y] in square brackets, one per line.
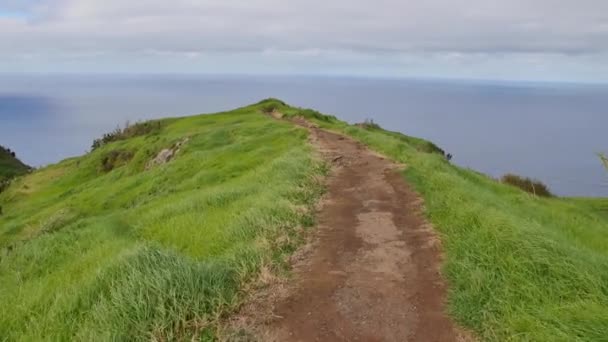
[554, 40]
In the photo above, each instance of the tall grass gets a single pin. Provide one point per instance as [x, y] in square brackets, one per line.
[159, 254]
[134, 254]
[519, 267]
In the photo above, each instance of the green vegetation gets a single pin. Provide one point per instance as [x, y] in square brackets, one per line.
[92, 252]
[89, 252]
[369, 124]
[597, 205]
[10, 165]
[532, 186]
[604, 160]
[520, 267]
[114, 159]
[128, 132]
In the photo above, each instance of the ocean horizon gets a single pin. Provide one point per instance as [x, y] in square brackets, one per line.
[548, 131]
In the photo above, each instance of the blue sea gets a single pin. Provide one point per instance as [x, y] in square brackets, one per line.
[547, 131]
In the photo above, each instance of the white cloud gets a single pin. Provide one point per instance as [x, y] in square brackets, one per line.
[453, 32]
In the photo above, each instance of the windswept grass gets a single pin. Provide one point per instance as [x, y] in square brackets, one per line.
[520, 267]
[128, 254]
[90, 253]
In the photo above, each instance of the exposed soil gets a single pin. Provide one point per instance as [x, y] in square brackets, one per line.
[371, 272]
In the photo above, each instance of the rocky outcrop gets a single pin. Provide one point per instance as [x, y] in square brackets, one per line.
[165, 155]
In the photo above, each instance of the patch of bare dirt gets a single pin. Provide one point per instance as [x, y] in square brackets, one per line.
[371, 272]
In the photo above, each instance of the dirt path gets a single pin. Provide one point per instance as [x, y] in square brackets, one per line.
[372, 273]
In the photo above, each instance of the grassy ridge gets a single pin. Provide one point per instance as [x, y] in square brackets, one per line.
[121, 253]
[135, 254]
[520, 267]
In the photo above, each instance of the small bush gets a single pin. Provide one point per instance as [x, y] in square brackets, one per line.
[429, 147]
[313, 114]
[526, 184]
[129, 131]
[8, 151]
[369, 124]
[114, 159]
[271, 105]
[272, 101]
[604, 160]
[4, 183]
[269, 108]
[10, 165]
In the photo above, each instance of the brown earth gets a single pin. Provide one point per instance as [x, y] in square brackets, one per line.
[372, 270]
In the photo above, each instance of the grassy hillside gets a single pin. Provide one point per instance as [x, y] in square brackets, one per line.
[520, 267]
[10, 165]
[101, 248]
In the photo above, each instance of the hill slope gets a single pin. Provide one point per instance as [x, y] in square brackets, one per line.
[107, 247]
[91, 252]
[10, 165]
[520, 267]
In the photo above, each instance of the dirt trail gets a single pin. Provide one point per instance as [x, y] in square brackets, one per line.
[372, 272]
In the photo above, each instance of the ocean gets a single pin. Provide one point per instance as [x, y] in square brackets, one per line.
[551, 132]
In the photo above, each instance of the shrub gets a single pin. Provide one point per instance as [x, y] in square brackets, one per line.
[313, 114]
[604, 160]
[7, 151]
[429, 147]
[271, 105]
[114, 159]
[369, 124]
[4, 183]
[129, 131]
[532, 186]
[271, 100]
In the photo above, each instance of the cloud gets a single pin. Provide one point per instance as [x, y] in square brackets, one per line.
[387, 29]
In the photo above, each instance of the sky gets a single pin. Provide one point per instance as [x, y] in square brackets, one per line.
[535, 40]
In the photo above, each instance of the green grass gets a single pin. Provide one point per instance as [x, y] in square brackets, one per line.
[519, 267]
[128, 254]
[597, 205]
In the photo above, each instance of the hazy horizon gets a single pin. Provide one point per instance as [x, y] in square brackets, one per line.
[487, 81]
[547, 131]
